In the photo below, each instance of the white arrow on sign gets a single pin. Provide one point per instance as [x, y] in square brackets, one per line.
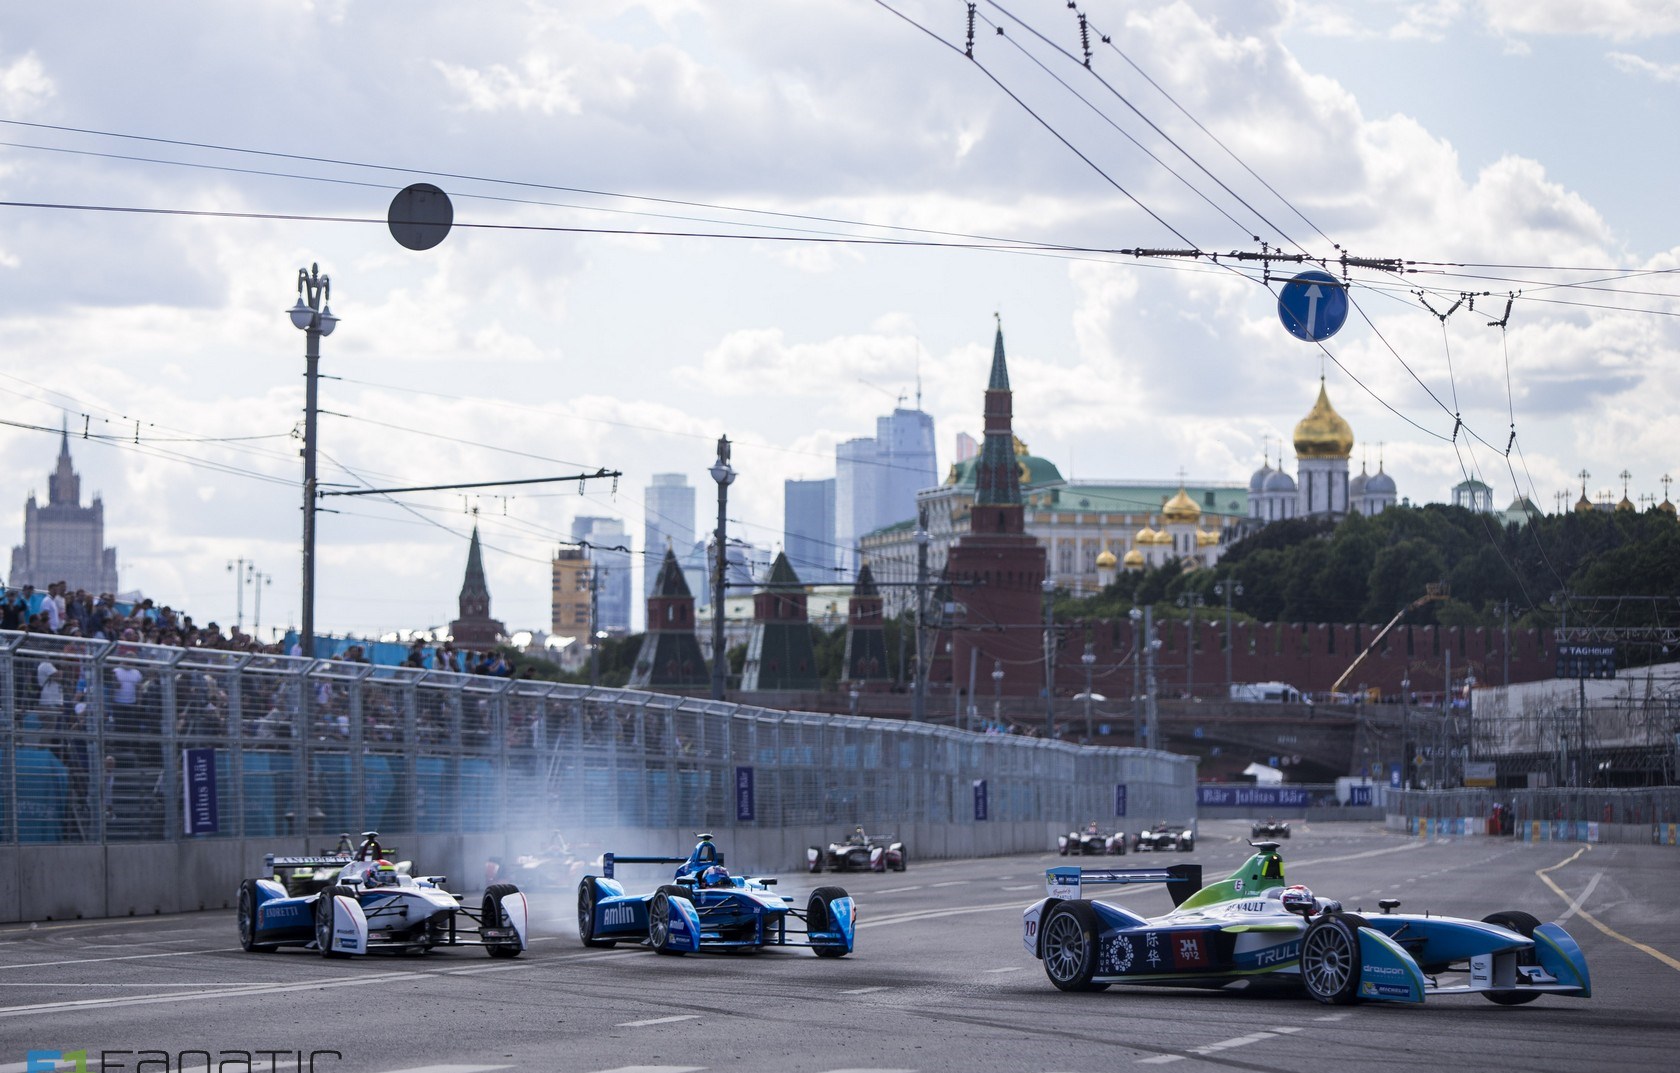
[1313, 295]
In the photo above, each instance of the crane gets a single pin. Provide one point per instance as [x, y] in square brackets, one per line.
[1435, 590]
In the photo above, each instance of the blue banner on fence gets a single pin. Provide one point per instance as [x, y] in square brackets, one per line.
[1253, 796]
[743, 794]
[1119, 799]
[198, 791]
[979, 799]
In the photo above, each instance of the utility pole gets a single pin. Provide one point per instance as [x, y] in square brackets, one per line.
[1152, 716]
[724, 475]
[918, 702]
[594, 621]
[1049, 659]
[1227, 589]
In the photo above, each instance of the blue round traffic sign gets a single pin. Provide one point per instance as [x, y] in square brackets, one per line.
[1313, 305]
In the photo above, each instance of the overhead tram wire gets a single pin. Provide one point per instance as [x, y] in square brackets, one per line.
[1123, 99]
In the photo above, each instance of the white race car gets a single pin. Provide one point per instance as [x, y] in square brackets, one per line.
[374, 906]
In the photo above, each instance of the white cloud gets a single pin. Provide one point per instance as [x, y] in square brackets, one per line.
[1628, 63]
[1618, 20]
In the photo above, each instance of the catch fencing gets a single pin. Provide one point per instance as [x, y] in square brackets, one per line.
[108, 743]
[1556, 814]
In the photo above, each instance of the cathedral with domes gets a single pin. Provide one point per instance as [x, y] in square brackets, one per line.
[1321, 487]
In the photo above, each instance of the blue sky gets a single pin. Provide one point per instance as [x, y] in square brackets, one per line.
[1499, 133]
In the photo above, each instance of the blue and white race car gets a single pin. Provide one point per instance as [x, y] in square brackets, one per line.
[372, 905]
[704, 908]
[1252, 925]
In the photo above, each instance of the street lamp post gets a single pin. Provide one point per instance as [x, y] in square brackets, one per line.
[997, 693]
[258, 580]
[314, 317]
[1190, 600]
[1050, 659]
[724, 475]
[1089, 659]
[854, 698]
[918, 702]
[242, 570]
[1405, 733]
[1137, 670]
[1227, 589]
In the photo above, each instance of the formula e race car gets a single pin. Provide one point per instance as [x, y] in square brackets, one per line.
[1252, 925]
[556, 866]
[707, 909]
[859, 853]
[1164, 836]
[372, 906]
[1270, 829]
[1090, 841]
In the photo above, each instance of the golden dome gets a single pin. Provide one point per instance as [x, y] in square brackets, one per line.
[1162, 537]
[1625, 504]
[1323, 433]
[1144, 536]
[1206, 538]
[1583, 505]
[1133, 560]
[1667, 508]
[1106, 560]
[1181, 509]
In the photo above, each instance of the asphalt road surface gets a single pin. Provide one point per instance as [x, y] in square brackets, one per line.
[940, 981]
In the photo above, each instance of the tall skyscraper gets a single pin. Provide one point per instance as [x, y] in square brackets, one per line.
[667, 522]
[610, 569]
[808, 528]
[64, 541]
[876, 480]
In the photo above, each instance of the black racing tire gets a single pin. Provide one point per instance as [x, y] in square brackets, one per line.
[1330, 958]
[1187, 846]
[1523, 924]
[903, 860]
[1068, 944]
[325, 907]
[817, 919]
[1284, 832]
[816, 865]
[248, 919]
[1122, 849]
[586, 914]
[659, 918]
[1062, 849]
[493, 917]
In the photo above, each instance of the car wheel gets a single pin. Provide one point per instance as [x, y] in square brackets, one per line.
[586, 914]
[1068, 940]
[1523, 924]
[1330, 960]
[1187, 846]
[816, 861]
[659, 918]
[493, 917]
[326, 907]
[248, 919]
[903, 860]
[1062, 849]
[818, 917]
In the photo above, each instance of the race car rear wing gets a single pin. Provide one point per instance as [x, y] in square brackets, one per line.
[608, 860]
[1182, 880]
[271, 862]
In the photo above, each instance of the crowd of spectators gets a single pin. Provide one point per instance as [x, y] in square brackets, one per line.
[103, 617]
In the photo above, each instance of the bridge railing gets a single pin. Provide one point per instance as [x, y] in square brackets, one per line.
[129, 746]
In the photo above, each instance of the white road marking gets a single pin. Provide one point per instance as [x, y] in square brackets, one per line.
[444, 1069]
[1575, 906]
[659, 1021]
[1334, 1017]
[865, 1069]
[1010, 968]
[924, 914]
[895, 890]
[654, 1069]
[952, 883]
[1029, 886]
[864, 990]
[125, 957]
[1222, 1045]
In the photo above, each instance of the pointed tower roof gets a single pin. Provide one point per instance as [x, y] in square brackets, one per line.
[64, 488]
[670, 581]
[782, 575]
[865, 584]
[998, 476]
[1323, 433]
[473, 584]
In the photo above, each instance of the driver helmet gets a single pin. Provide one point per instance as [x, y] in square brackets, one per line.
[715, 876]
[382, 874]
[1299, 899]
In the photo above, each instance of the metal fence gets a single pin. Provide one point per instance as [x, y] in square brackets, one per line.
[1654, 806]
[99, 741]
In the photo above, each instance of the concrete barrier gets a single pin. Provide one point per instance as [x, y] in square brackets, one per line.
[61, 882]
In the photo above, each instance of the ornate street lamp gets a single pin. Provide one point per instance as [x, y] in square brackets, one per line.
[724, 475]
[314, 317]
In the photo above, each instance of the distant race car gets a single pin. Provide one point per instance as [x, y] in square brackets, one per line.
[1091, 842]
[1270, 829]
[707, 909]
[1253, 926]
[371, 905]
[1164, 836]
[859, 853]
[307, 879]
[556, 866]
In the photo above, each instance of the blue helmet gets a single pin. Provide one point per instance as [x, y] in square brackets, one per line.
[715, 876]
